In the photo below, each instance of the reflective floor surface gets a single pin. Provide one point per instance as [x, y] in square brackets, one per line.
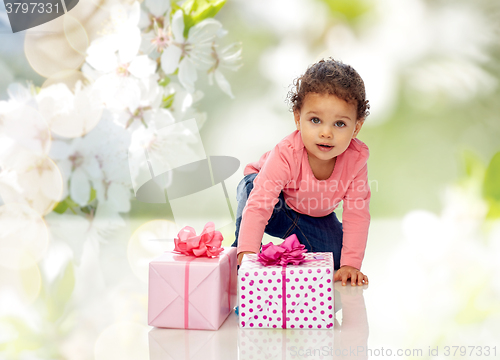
[433, 294]
[232, 342]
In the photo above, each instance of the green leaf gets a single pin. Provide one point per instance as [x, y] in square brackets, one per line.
[164, 82]
[188, 24]
[494, 210]
[70, 202]
[167, 101]
[175, 7]
[351, 10]
[491, 186]
[196, 11]
[207, 9]
[61, 207]
[86, 209]
[474, 166]
[92, 194]
[187, 7]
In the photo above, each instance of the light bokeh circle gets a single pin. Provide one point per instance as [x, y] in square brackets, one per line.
[75, 33]
[30, 281]
[25, 283]
[68, 77]
[95, 16]
[24, 237]
[48, 50]
[147, 242]
[40, 183]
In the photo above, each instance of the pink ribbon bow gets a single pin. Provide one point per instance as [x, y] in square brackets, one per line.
[290, 251]
[208, 243]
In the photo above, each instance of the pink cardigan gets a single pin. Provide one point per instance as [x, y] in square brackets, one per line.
[286, 168]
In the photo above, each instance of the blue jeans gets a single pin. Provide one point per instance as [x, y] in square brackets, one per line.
[318, 234]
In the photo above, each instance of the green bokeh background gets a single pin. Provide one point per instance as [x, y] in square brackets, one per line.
[430, 275]
[418, 149]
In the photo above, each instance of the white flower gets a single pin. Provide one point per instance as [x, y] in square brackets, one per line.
[195, 51]
[149, 113]
[99, 161]
[30, 179]
[164, 149]
[184, 104]
[156, 12]
[123, 73]
[21, 122]
[121, 44]
[79, 166]
[20, 94]
[29, 176]
[111, 142]
[228, 58]
[157, 7]
[69, 115]
[122, 89]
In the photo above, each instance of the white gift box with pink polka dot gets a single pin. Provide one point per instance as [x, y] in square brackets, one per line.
[291, 297]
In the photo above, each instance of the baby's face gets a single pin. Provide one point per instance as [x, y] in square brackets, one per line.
[327, 125]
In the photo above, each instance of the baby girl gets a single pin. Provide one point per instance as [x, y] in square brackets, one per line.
[295, 187]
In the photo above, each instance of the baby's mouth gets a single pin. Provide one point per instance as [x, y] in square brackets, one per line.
[324, 147]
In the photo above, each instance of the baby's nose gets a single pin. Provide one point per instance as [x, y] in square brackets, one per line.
[325, 132]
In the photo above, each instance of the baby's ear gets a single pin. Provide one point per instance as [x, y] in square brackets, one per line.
[296, 117]
[359, 124]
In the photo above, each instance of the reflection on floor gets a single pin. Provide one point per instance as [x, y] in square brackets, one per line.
[348, 339]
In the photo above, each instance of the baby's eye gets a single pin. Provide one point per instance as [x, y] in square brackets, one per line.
[340, 124]
[315, 120]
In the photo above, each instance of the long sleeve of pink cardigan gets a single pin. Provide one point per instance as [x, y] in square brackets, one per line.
[286, 168]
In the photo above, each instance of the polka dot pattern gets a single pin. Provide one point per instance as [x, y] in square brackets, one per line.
[278, 344]
[309, 294]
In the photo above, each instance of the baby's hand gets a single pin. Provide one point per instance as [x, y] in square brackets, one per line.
[240, 255]
[348, 272]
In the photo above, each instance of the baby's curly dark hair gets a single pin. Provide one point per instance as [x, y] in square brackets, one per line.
[330, 77]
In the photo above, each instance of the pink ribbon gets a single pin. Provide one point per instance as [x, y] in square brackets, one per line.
[290, 251]
[208, 243]
[283, 296]
[186, 293]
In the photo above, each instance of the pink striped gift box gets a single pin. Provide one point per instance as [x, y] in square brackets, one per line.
[188, 292]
